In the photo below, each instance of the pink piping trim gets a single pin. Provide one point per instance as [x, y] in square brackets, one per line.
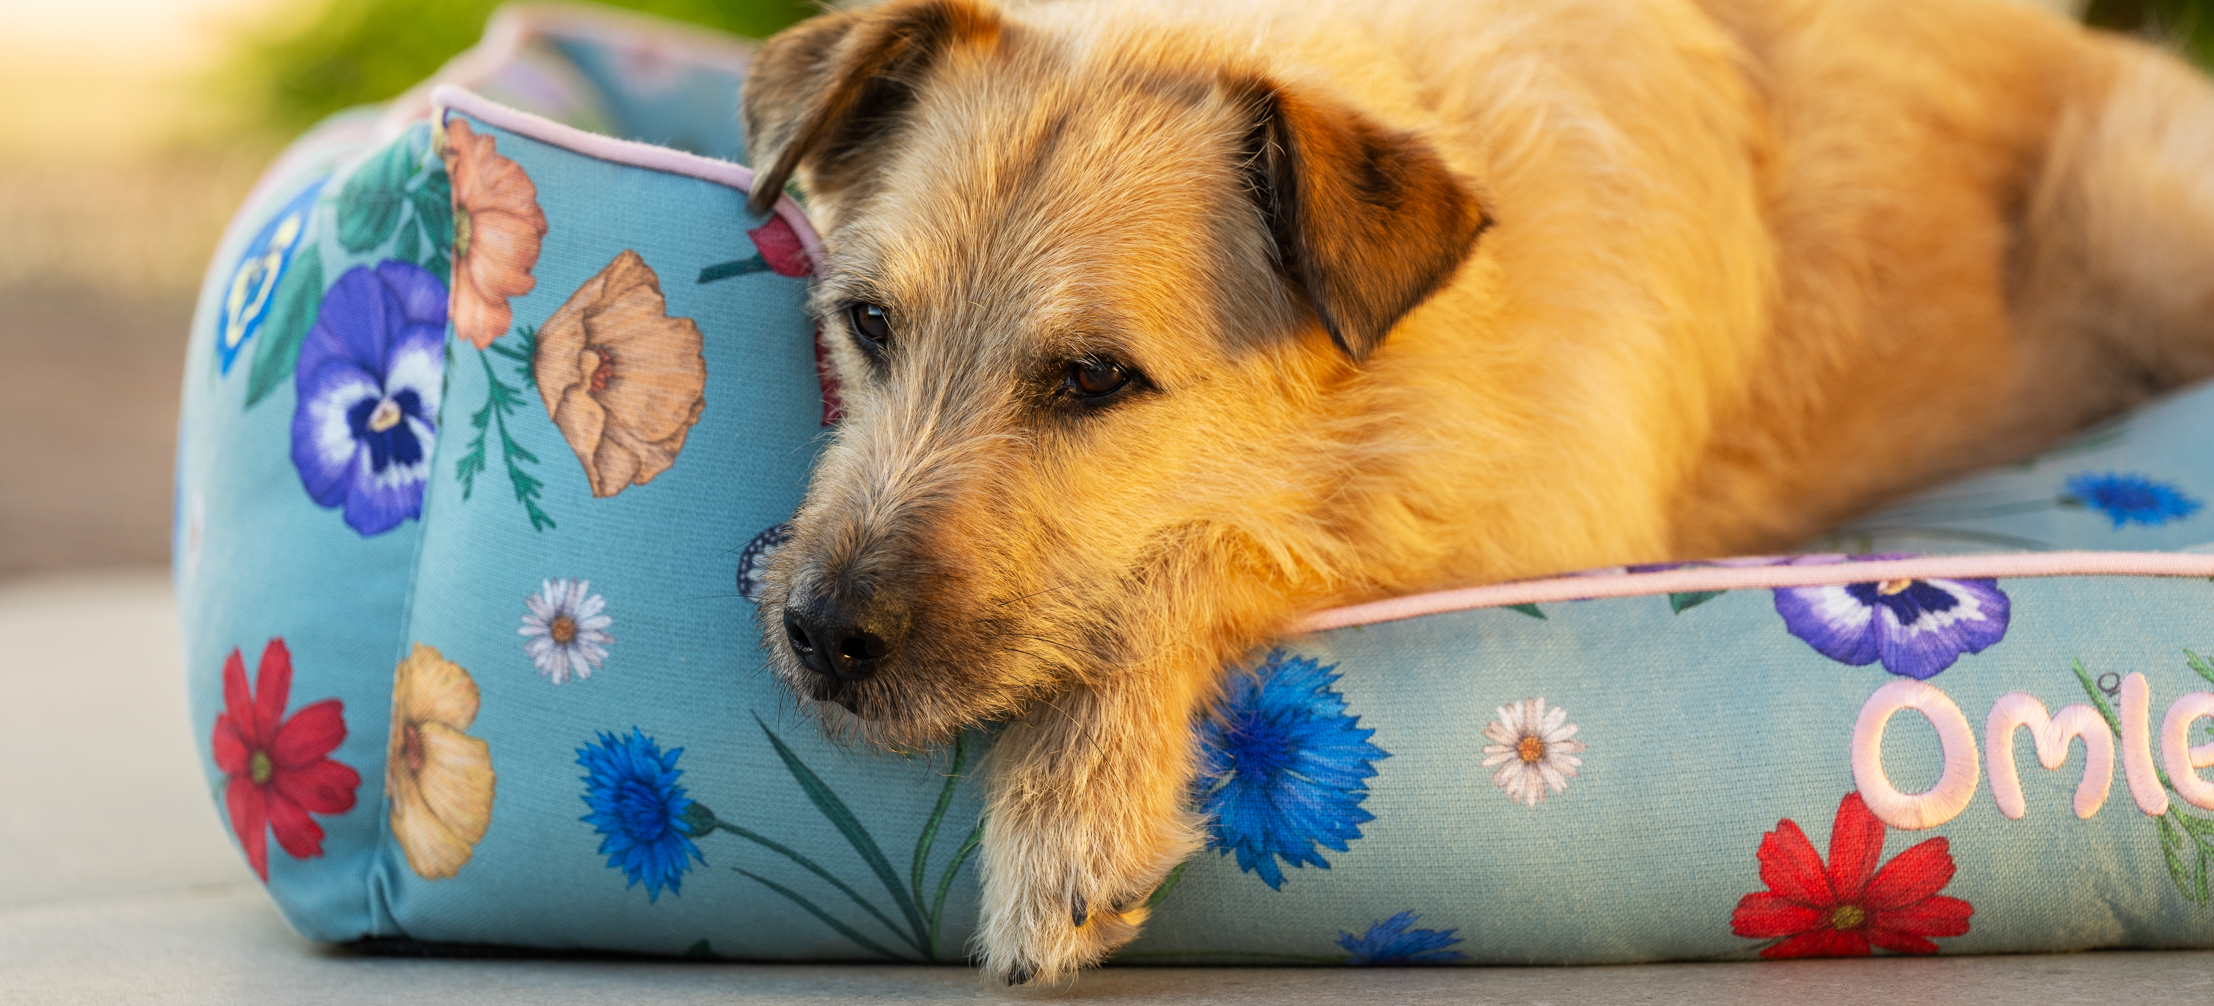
[1950, 567]
[607, 148]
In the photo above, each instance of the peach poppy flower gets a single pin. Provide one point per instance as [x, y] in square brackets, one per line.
[620, 377]
[497, 230]
[439, 779]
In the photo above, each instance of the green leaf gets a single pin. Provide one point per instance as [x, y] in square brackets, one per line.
[842, 817]
[2199, 664]
[1167, 883]
[739, 267]
[937, 814]
[2169, 843]
[434, 210]
[370, 201]
[1685, 600]
[945, 881]
[292, 310]
[410, 244]
[2098, 699]
[843, 930]
[1527, 609]
[812, 867]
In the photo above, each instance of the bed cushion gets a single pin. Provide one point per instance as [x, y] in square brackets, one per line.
[492, 406]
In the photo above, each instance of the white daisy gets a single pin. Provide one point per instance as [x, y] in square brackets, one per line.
[1533, 750]
[568, 633]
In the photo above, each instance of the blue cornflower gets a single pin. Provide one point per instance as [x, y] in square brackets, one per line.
[1390, 942]
[631, 787]
[1282, 767]
[2130, 499]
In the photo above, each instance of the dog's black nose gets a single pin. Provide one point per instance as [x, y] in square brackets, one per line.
[833, 643]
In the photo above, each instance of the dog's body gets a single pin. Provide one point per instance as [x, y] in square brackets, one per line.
[1109, 292]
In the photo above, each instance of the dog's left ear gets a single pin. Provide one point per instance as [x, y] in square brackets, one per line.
[1368, 222]
[821, 94]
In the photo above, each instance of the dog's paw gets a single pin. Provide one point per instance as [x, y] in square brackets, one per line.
[1057, 901]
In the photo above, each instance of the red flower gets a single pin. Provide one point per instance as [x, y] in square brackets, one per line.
[780, 247]
[278, 767]
[1840, 911]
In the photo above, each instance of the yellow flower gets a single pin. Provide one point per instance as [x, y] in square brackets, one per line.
[438, 778]
[620, 377]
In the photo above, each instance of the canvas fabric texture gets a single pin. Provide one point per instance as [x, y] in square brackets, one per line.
[489, 416]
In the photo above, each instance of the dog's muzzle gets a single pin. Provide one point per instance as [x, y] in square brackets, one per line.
[842, 639]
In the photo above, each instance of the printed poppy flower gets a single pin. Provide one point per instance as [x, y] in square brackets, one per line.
[621, 379]
[1391, 942]
[2129, 499]
[1851, 905]
[497, 230]
[1283, 768]
[439, 779]
[631, 786]
[369, 378]
[1915, 627]
[279, 768]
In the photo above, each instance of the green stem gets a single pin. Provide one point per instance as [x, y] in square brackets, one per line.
[945, 881]
[930, 828]
[809, 865]
[739, 267]
[842, 929]
[842, 817]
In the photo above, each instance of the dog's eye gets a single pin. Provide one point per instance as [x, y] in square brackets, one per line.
[1097, 378]
[871, 321]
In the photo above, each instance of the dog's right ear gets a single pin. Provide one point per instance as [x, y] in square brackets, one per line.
[818, 93]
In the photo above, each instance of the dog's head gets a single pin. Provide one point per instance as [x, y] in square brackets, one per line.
[1085, 281]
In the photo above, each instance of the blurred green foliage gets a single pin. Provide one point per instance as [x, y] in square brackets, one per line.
[341, 53]
[2187, 25]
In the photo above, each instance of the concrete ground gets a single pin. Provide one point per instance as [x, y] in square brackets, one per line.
[119, 885]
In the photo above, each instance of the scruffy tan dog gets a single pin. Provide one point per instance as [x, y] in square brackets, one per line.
[1162, 323]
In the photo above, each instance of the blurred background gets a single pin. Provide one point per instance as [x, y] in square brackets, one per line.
[132, 130]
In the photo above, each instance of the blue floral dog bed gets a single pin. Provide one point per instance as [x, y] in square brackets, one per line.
[490, 414]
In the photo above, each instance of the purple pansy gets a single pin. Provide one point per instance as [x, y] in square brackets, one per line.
[1915, 627]
[368, 382]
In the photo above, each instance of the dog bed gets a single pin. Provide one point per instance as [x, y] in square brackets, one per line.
[497, 396]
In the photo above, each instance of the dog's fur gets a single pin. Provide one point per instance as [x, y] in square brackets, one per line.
[1423, 293]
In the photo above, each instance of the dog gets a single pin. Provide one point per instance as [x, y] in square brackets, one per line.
[1159, 324]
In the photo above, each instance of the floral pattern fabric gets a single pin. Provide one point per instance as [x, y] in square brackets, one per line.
[279, 767]
[375, 467]
[1284, 768]
[621, 378]
[498, 228]
[631, 788]
[1852, 904]
[370, 377]
[439, 779]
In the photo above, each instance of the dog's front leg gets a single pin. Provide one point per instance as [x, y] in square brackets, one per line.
[1088, 812]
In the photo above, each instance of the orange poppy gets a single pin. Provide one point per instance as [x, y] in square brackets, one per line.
[621, 378]
[497, 230]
